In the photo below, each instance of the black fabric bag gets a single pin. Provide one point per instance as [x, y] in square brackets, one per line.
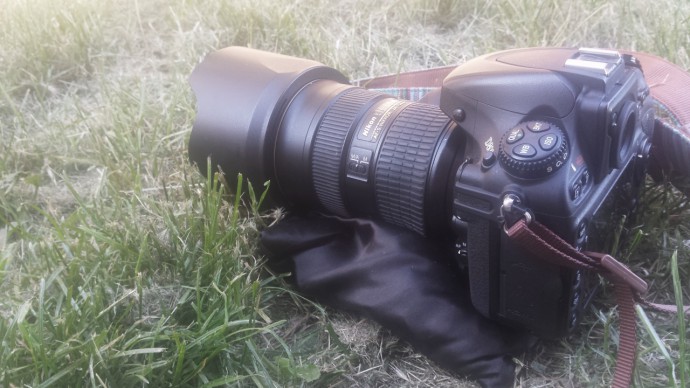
[401, 280]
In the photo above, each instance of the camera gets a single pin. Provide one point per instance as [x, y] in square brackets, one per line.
[560, 135]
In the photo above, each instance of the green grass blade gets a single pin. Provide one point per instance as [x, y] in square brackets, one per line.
[678, 294]
[658, 342]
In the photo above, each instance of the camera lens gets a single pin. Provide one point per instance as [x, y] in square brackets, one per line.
[323, 143]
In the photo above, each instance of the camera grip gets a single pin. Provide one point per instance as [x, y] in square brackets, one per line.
[482, 247]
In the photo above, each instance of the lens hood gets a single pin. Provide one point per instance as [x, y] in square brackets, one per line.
[241, 96]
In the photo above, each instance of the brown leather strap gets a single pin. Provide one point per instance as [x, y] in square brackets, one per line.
[540, 241]
[628, 287]
[627, 335]
[428, 78]
[668, 82]
[546, 245]
[664, 308]
[669, 85]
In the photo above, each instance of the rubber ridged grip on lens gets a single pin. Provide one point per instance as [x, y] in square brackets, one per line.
[329, 143]
[404, 164]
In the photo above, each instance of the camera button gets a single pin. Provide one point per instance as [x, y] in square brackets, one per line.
[575, 191]
[488, 159]
[525, 150]
[538, 126]
[548, 141]
[515, 135]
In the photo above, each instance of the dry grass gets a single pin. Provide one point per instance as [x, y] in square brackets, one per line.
[119, 267]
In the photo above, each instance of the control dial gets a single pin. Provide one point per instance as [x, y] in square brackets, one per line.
[533, 149]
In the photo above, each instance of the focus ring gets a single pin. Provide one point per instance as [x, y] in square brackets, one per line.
[404, 164]
[329, 143]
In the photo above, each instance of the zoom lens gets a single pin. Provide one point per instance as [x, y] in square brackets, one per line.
[324, 144]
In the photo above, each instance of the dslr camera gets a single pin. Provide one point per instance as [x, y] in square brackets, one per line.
[561, 134]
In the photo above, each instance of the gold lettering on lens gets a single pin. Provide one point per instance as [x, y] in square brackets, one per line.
[377, 122]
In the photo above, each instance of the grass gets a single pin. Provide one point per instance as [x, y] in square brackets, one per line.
[120, 265]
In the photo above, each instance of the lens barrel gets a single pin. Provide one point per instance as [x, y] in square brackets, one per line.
[323, 143]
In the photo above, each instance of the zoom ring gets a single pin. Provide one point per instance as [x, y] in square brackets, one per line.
[405, 162]
[329, 143]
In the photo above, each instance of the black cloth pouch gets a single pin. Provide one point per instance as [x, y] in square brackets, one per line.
[405, 282]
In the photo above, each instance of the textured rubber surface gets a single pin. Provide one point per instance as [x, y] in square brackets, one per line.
[404, 164]
[329, 143]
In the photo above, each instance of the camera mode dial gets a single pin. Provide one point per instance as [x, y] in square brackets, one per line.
[533, 149]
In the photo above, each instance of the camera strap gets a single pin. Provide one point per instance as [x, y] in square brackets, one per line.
[669, 86]
[628, 287]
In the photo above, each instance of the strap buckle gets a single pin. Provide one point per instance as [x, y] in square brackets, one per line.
[621, 271]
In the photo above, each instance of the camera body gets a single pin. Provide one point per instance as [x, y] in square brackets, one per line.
[565, 133]
[562, 134]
